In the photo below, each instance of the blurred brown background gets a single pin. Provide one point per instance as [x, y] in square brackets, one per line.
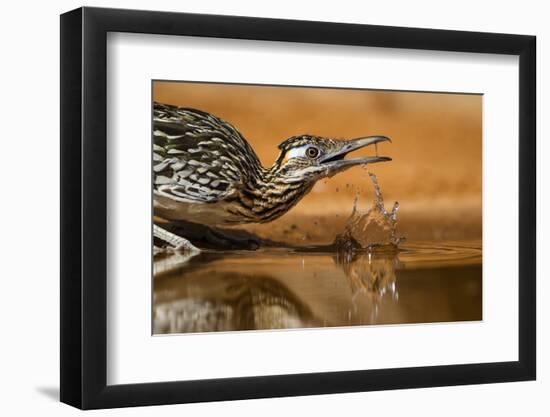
[436, 172]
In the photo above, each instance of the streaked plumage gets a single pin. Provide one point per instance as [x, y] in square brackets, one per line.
[232, 302]
[204, 170]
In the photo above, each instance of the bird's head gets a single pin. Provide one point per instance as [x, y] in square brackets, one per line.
[307, 159]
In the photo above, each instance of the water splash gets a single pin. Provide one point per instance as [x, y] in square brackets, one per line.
[367, 251]
[377, 227]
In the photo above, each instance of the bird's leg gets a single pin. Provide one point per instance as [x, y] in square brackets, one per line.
[175, 242]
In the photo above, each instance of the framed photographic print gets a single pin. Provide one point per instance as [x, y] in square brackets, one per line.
[257, 207]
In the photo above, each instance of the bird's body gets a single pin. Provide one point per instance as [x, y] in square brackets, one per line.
[204, 170]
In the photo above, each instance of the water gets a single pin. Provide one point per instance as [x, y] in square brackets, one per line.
[367, 276]
[272, 289]
[375, 227]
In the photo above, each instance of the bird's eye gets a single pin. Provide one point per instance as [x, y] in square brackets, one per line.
[312, 152]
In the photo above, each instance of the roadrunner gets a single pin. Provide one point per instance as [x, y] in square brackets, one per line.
[205, 172]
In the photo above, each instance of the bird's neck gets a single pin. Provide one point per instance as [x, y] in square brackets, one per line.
[268, 194]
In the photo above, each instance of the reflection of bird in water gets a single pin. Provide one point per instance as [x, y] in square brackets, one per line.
[246, 303]
[205, 171]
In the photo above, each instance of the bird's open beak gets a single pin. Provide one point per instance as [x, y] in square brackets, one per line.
[336, 162]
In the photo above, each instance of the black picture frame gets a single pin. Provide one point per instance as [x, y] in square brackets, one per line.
[84, 207]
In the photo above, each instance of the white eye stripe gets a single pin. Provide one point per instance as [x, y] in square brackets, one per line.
[299, 152]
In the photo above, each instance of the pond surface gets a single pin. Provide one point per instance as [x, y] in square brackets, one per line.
[422, 282]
